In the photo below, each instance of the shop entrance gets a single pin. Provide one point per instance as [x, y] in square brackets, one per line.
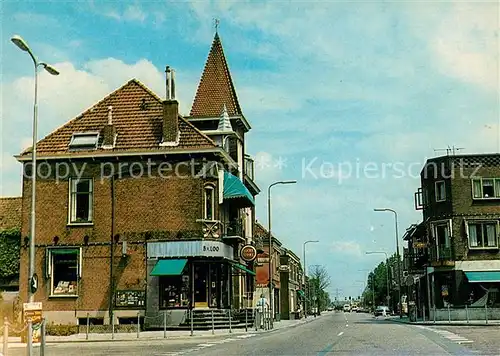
[210, 285]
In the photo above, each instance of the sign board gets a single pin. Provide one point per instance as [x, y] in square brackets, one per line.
[33, 311]
[248, 253]
[34, 283]
[263, 259]
[420, 245]
[130, 298]
[198, 248]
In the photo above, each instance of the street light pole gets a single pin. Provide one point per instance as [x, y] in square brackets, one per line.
[305, 275]
[397, 257]
[386, 270]
[271, 303]
[21, 44]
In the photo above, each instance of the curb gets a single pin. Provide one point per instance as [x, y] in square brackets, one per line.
[438, 324]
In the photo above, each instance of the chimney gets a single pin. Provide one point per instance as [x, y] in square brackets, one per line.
[109, 131]
[170, 112]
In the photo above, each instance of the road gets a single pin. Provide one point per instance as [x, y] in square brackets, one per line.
[334, 333]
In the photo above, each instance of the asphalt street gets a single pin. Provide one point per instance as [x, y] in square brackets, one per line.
[334, 333]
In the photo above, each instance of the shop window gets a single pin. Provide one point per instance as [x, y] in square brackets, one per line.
[64, 271]
[81, 201]
[482, 235]
[209, 202]
[174, 291]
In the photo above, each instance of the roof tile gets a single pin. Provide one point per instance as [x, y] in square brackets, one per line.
[10, 212]
[137, 129]
[216, 86]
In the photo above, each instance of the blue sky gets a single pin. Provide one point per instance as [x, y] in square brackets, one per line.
[352, 97]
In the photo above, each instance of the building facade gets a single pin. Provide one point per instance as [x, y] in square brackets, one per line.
[454, 253]
[291, 294]
[140, 210]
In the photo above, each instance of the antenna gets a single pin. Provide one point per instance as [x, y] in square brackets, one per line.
[449, 150]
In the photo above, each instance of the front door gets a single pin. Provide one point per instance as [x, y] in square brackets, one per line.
[200, 285]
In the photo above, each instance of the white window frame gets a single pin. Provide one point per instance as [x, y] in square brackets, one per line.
[73, 145]
[496, 184]
[438, 199]
[206, 188]
[476, 222]
[434, 226]
[49, 263]
[72, 204]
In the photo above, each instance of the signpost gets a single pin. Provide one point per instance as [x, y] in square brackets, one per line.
[33, 311]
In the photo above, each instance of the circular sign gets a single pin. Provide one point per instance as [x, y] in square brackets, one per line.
[248, 253]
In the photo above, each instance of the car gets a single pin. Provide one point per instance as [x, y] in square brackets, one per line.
[354, 308]
[330, 309]
[382, 310]
[347, 308]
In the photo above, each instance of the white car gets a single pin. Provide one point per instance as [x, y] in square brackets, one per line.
[347, 308]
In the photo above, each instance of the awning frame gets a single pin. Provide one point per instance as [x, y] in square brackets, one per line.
[176, 265]
[481, 276]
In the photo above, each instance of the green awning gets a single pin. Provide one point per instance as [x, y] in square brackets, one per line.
[483, 276]
[243, 268]
[64, 251]
[301, 293]
[171, 267]
[235, 189]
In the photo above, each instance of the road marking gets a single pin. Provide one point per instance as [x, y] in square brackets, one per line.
[206, 345]
[245, 336]
[340, 333]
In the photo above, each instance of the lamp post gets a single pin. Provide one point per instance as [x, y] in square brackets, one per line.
[271, 240]
[32, 283]
[305, 275]
[386, 269]
[397, 256]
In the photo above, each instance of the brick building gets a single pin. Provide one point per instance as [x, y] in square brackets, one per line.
[454, 253]
[141, 210]
[10, 218]
[291, 294]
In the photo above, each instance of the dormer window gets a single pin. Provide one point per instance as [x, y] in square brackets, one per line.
[84, 141]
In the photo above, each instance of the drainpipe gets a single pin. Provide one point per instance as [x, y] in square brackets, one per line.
[111, 251]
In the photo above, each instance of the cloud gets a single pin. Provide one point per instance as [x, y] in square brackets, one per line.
[346, 247]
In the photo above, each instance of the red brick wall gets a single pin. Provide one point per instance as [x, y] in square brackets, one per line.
[141, 204]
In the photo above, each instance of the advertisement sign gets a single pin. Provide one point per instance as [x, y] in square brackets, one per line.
[33, 311]
[248, 253]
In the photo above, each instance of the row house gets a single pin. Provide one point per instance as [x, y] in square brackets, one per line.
[142, 210]
[286, 271]
[453, 255]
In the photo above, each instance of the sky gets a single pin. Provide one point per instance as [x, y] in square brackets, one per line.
[347, 98]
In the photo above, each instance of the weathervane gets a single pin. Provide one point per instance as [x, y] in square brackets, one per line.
[216, 24]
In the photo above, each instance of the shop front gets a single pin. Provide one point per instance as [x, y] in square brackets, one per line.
[188, 274]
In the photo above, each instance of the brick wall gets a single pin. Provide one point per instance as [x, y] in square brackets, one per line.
[147, 207]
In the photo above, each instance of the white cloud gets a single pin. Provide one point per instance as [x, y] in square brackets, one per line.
[346, 247]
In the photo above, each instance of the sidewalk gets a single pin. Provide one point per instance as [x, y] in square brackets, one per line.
[406, 320]
[159, 335]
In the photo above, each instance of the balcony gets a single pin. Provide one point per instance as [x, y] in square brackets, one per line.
[234, 230]
[442, 255]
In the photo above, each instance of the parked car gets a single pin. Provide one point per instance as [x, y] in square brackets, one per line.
[382, 310]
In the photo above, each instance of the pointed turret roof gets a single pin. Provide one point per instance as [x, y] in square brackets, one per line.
[224, 122]
[216, 86]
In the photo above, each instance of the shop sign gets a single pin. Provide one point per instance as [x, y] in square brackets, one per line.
[248, 253]
[33, 311]
[198, 248]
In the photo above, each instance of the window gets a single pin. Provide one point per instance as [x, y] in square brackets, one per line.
[482, 235]
[209, 203]
[440, 191]
[441, 232]
[81, 201]
[486, 188]
[84, 141]
[63, 270]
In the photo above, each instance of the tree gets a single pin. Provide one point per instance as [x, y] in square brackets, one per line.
[319, 281]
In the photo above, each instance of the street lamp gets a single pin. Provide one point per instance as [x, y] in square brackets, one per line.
[32, 282]
[304, 277]
[271, 302]
[397, 256]
[386, 269]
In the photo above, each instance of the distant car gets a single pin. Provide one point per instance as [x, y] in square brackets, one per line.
[354, 308]
[330, 309]
[347, 308]
[382, 310]
[360, 310]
